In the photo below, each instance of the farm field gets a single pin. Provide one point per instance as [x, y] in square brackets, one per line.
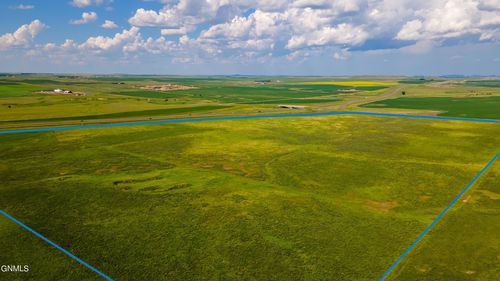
[130, 98]
[151, 112]
[492, 83]
[108, 97]
[310, 198]
[477, 107]
[279, 199]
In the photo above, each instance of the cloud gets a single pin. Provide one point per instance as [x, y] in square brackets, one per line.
[238, 30]
[343, 54]
[108, 24]
[103, 43]
[412, 30]
[150, 45]
[99, 48]
[444, 19]
[420, 47]
[257, 25]
[23, 7]
[22, 37]
[342, 34]
[238, 27]
[86, 3]
[87, 17]
[189, 13]
[254, 35]
[175, 31]
[150, 18]
[289, 24]
[81, 3]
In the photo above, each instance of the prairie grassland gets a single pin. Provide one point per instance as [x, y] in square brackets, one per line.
[462, 246]
[353, 83]
[298, 199]
[285, 199]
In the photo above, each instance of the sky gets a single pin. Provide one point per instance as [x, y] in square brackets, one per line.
[251, 37]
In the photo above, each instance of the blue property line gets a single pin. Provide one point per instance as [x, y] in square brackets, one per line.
[438, 218]
[55, 245]
[168, 121]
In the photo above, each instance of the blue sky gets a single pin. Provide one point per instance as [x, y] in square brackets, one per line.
[263, 37]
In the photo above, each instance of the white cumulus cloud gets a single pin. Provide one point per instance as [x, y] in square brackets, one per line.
[150, 18]
[175, 31]
[103, 43]
[295, 29]
[108, 24]
[23, 36]
[86, 18]
[86, 3]
[444, 19]
[342, 34]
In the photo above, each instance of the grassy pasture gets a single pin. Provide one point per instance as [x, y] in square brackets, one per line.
[284, 199]
[218, 89]
[419, 81]
[320, 198]
[12, 89]
[295, 101]
[250, 93]
[125, 114]
[333, 88]
[477, 107]
[42, 107]
[484, 83]
[152, 94]
[352, 83]
[463, 246]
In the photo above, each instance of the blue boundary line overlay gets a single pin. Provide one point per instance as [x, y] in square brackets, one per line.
[319, 114]
[55, 245]
[168, 121]
[405, 253]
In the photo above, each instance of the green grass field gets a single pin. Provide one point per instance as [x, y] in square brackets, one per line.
[249, 93]
[478, 107]
[295, 101]
[312, 198]
[461, 247]
[125, 96]
[125, 114]
[485, 83]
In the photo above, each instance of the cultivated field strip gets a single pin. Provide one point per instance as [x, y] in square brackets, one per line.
[161, 122]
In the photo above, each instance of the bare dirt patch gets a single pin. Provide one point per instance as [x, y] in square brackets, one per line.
[424, 198]
[168, 87]
[424, 268]
[384, 206]
[490, 194]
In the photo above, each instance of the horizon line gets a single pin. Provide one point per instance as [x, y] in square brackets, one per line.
[450, 76]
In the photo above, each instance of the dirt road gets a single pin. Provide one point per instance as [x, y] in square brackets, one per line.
[364, 100]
